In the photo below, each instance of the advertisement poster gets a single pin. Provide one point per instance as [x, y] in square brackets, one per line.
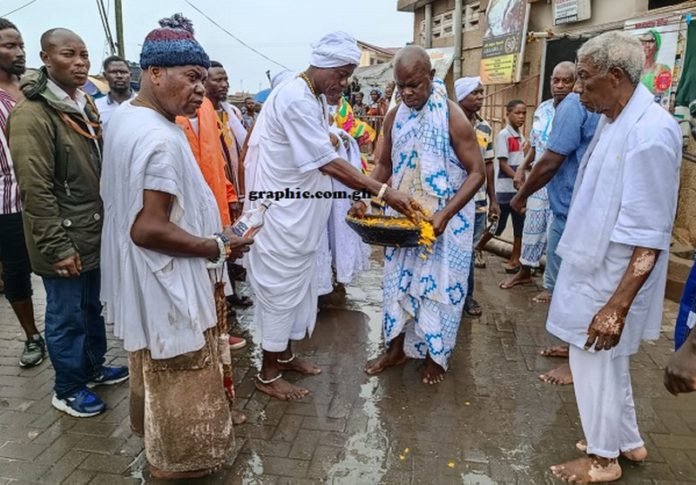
[659, 38]
[504, 41]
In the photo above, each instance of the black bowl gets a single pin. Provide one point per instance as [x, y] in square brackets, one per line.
[384, 235]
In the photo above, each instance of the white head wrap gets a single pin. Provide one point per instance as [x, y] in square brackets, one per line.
[335, 50]
[464, 86]
[281, 77]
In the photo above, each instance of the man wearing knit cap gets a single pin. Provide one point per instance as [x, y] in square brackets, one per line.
[290, 148]
[469, 93]
[162, 244]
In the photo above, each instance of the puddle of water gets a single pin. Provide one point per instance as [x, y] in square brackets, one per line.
[477, 479]
[364, 458]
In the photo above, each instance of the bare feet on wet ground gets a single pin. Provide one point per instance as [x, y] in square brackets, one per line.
[560, 376]
[588, 469]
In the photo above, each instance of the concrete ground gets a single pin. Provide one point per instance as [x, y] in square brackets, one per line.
[491, 421]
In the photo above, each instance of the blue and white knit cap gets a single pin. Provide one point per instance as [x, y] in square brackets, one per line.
[172, 45]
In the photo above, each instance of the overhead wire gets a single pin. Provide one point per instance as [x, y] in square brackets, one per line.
[234, 36]
[18, 8]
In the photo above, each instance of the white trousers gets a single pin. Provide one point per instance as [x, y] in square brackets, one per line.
[605, 402]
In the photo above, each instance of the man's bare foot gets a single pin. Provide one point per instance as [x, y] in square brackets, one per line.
[521, 278]
[187, 475]
[384, 361]
[589, 469]
[637, 455]
[238, 417]
[294, 363]
[281, 389]
[512, 267]
[561, 376]
[543, 297]
[556, 351]
[432, 372]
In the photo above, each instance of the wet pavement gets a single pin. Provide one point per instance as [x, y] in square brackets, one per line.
[490, 421]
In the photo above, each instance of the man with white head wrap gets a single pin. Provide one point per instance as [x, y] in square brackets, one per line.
[469, 93]
[290, 149]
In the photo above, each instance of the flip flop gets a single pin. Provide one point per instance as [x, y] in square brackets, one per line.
[472, 308]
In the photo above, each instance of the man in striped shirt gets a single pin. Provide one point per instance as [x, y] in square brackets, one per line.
[16, 269]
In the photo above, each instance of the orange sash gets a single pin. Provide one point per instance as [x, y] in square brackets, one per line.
[207, 149]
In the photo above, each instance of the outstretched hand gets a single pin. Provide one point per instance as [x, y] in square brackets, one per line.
[358, 209]
[403, 203]
[680, 373]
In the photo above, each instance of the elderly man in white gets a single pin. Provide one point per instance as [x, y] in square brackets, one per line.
[290, 148]
[611, 283]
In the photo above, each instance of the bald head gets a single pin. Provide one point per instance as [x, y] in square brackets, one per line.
[413, 75]
[66, 58]
[53, 37]
[413, 57]
[562, 81]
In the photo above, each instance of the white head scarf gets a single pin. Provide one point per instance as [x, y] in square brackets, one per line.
[464, 86]
[335, 50]
[281, 77]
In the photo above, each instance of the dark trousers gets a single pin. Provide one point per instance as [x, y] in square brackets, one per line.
[16, 268]
[75, 333]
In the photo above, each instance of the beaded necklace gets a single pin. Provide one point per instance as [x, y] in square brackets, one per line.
[309, 84]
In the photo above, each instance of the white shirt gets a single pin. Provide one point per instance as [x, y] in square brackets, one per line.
[155, 301]
[106, 106]
[79, 102]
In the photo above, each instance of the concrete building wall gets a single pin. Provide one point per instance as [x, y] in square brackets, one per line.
[606, 15]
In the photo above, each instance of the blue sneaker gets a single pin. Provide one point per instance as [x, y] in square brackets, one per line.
[83, 404]
[108, 376]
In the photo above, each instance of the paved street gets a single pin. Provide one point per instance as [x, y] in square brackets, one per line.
[491, 421]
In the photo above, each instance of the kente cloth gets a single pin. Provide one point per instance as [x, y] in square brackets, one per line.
[626, 191]
[362, 132]
[179, 407]
[335, 50]
[424, 293]
[341, 250]
[155, 300]
[288, 146]
[204, 140]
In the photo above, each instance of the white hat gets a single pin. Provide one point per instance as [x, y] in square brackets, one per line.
[464, 86]
[335, 50]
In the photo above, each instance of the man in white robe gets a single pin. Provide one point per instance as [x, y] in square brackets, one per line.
[162, 231]
[610, 288]
[290, 153]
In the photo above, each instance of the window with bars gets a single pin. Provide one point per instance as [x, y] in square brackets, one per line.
[443, 24]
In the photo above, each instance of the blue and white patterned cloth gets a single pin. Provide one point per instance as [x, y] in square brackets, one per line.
[425, 297]
[538, 215]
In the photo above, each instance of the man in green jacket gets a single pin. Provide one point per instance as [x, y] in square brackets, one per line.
[56, 147]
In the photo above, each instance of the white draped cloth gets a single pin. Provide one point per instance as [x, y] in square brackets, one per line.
[341, 248]
[626, 191]
[155, 301]
[289, 144]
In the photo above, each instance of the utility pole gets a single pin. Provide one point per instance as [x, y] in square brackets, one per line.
[119, 29]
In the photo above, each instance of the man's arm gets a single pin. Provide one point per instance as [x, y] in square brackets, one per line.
[463, 140]
[34, 154]
[680, 373]
[542, 172]
[494, 209]
[520, 173]
[152, 229]
[607, 325]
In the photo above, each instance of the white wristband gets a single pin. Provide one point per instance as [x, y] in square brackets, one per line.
[220, 260]
[382, 191]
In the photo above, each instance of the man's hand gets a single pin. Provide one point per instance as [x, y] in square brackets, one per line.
[519, 178]
[606, 328]
[235, 210]
[404, 204]
[519, 204]
[439, 222]
[238, 245]
[358, 209]
[69, 267]
[680, 373]
[494, 211]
